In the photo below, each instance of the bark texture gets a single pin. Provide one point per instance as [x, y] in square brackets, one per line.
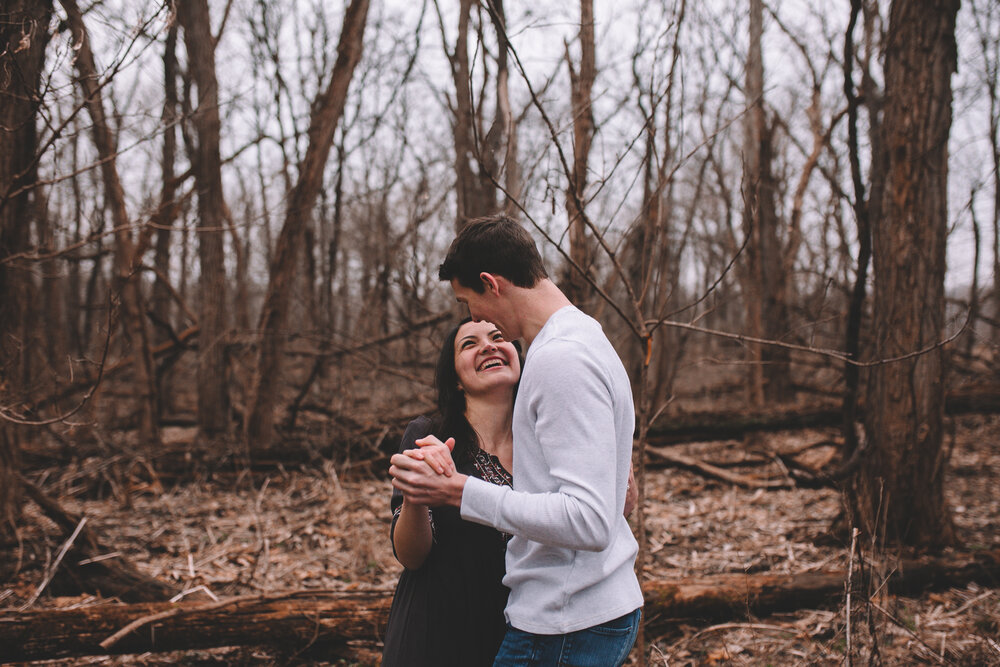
[23, 37]
[764, 279]
[213, 392]
[899, 489]
[581, 86]
[474, 190]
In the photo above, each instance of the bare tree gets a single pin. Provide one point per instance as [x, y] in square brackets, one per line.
[986, 17]
[765, 281]
[581, 80]
[213, 391]
[127, 260]
[898, 491]
[485, 156]
[862, 216]
[24, 26]
[326, 113]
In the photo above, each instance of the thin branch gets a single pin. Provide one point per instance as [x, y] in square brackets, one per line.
[6, 415]
[52, 570]
[826, 352]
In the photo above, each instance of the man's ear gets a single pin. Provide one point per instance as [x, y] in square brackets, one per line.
[491, 282]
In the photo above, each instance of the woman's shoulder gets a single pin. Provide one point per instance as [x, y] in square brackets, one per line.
[417, 428]
[423, 422]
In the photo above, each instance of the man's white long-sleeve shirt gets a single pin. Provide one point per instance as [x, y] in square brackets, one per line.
[570, 564]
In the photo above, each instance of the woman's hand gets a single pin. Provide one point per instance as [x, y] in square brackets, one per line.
[437, 454]
[631, 493]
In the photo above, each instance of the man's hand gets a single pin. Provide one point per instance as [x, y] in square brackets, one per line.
[421, 484]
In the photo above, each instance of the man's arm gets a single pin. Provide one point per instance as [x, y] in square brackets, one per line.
[577, 500]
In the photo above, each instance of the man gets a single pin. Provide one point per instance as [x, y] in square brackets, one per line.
[575, 598]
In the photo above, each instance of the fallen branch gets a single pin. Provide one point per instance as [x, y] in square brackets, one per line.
[86, 565]
[319, 618]
[55, 566]
[661, 455]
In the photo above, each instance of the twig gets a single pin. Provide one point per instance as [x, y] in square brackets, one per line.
[968, 604]
[145, 620]
[833, 354]
[4, 414]
[52, 570]
[746, 626]
[847, 584]
[98, 559]
[940, 659]
[202, 588]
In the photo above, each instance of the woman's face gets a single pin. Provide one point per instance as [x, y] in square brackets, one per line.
[483, 359]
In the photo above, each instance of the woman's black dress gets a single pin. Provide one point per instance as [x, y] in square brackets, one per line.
[450, 610]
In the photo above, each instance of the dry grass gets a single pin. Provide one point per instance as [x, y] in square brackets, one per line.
[314, 528]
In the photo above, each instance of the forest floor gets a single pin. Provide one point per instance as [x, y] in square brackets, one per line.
[322, 528]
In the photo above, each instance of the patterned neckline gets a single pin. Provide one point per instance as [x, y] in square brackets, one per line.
[490, 469]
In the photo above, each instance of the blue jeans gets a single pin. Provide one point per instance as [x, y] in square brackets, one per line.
[604, 645]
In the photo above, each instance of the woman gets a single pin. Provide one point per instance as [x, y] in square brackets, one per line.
[448, 605]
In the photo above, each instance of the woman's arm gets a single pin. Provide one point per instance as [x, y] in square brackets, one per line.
[411, 532]
[411, 535]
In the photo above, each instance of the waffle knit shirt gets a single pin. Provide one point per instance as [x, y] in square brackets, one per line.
[570, 562]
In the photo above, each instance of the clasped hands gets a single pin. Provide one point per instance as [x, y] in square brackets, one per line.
[427, 475]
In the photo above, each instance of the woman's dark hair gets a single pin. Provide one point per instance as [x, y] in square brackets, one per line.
[451, 421]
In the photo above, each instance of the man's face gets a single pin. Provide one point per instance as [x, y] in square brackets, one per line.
[485, 306]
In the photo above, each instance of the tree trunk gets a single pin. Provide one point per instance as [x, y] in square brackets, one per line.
[898, 492]
[501, 140]
[764, 281]
[274, 316]
[581, 85]
[51, 309]
[986, 19]
[213, 391]
[127, 261]
[164, 217]
[23, 38]
[855, 309]
[505, 124]
[475, 195]
[302, 619]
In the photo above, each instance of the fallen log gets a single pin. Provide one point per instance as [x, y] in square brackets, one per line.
[716, 425]
[727, 596]
[296, 619]
[305, 619]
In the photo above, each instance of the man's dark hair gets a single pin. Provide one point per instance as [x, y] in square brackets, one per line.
[495, 244]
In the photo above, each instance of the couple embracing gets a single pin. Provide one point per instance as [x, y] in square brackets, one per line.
[526, 496]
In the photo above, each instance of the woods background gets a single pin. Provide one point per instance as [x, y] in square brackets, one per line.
[220, 224]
